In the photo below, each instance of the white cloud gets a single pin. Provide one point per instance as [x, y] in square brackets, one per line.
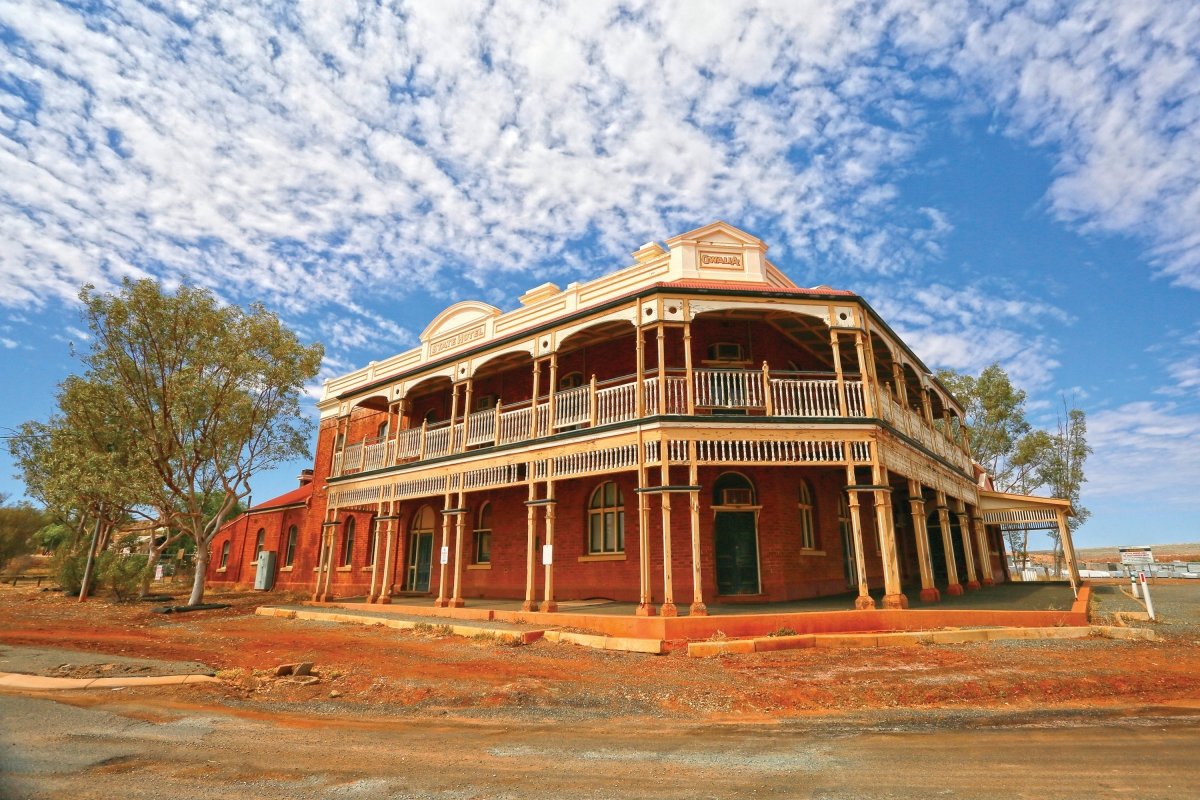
[1155, 445]
[966, 328]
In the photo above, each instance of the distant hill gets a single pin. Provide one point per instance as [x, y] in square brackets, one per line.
[1185, 551]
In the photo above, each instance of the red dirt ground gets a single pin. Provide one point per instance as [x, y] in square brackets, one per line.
[422, 672]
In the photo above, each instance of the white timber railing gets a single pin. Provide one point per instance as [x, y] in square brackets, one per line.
[715, 391]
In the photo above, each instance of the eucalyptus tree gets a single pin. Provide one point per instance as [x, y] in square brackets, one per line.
[1020, 457]
[209, 392]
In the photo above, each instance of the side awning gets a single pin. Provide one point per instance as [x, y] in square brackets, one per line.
[1029, 513]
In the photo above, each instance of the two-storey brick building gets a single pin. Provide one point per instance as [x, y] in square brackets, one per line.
[693, 428]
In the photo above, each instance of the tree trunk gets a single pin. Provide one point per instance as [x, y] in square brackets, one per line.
[201, 573]
[86, 584]
[152, 556]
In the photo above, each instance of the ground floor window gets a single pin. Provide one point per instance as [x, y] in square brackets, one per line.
[224, 556]
[348, 542]
[289, 553]
[606, 520]
[808, 538]
[483, 535]
[259, 541]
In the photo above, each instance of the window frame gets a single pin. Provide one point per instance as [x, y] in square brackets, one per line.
[224, 562]
[347, 554]
[600, 510]
[260, 544]
[289, 552]
[806, 507]
[482, 535]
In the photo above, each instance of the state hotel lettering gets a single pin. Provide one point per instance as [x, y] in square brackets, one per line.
[720, 261]
[455, 340]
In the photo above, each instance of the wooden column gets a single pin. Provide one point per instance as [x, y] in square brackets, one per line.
[453, 433]
[864, 600]
[952, 584]
[668, 608]
[552, 400]
[687, 367]
[442, 600]
[698, 609]
[1064, 531]
[640, 377]
[533, 403]
[548, 603]
[986, 576]
[371, 593]
[645, 593]
[893, 596]
[843, 401]
[662, 369]
[530, 603]
[964, 530]
[466, 427]
[460, 513]
[387, 585]
[916, 504]
[870, 382]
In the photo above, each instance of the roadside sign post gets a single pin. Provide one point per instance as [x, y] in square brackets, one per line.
[1135, 557]
[1146, 592]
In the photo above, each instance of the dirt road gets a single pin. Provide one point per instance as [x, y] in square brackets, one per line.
[418, 714]
[151, 746]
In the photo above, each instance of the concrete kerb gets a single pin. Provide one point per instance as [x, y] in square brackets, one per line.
[14, 680]
[622, 643]
[772, 644]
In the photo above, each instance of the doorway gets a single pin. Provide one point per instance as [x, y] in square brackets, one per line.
[737, 553]
[420, 551]
[735, 531]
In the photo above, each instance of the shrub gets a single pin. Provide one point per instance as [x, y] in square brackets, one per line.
[67, 566]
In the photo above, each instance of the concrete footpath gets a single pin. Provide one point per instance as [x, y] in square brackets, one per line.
[50, 668]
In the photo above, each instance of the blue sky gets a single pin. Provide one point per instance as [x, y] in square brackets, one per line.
[1012, 182]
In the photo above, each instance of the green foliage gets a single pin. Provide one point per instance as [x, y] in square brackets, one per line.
[18, 524]
[1002, 440]
[53, 536]
[67, 566]
[209, 392]
[122, 568]
[1019, 457]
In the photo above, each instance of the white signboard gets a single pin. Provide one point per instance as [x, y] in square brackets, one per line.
[547, 554]
[1136, 555]
[158, 572]
[445, 555]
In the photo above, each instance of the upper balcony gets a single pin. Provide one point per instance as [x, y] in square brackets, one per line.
[728, 393]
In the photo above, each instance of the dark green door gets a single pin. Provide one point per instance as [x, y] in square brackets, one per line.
[420, 562]
[737, 553]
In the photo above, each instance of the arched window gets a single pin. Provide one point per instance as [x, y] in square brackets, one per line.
[571, 380]
[348, 541]
[224, 556]
[808, 537]
[483, 535]
[732, 489]
[382, 431]
[289, 553]
[606, 520]
[259, 541]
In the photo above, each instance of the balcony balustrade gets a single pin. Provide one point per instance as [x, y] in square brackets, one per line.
[715, 391]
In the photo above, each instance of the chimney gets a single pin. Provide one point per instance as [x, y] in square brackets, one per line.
[306, 477]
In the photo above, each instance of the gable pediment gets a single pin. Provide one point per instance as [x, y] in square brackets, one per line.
[459, 319]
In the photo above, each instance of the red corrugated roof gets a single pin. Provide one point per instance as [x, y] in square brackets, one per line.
[756, 286]
[294, 497]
